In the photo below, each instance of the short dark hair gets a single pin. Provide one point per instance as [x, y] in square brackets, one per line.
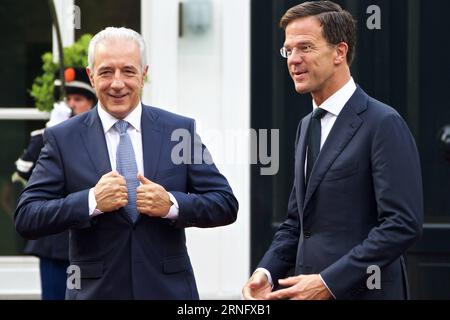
[338, 24]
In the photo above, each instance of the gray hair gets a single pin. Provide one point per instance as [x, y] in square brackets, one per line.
[110, 33]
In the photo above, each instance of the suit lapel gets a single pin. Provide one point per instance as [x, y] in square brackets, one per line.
[151, 142]
[94, 140]
[347, 124]
[300, 163]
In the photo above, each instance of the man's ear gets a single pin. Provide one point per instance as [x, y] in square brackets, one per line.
[91, 76]
[145, 71]
[144, 75]
[341, 53]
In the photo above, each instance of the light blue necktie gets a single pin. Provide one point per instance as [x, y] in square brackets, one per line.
[127, 167]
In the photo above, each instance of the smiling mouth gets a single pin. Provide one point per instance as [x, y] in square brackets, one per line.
[298, 75]
[117, 96]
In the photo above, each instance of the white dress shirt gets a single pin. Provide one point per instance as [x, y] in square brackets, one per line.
[112, 138]
[334, 105]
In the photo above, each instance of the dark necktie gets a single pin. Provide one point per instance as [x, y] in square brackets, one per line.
[314, 135]
[127, 167]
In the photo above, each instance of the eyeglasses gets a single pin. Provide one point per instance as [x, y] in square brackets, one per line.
[303, 50]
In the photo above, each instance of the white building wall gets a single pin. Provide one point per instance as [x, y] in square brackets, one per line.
[207, 77]
[65, 12]
[19, 278]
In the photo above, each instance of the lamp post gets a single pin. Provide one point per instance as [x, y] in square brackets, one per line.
[55, 23]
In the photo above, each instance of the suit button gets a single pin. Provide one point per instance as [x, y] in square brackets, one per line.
[306, 234]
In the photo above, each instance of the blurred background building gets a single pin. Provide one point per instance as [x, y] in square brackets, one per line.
[218, 62]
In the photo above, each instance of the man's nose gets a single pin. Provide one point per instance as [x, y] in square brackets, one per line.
[295, 58]
[117, 81]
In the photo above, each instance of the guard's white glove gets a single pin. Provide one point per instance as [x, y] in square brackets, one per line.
[59, 113]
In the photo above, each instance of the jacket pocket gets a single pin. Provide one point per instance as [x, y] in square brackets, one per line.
[341, 172]
[176, 264]
[90, 270]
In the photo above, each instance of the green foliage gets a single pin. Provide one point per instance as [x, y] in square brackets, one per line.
[75, 56]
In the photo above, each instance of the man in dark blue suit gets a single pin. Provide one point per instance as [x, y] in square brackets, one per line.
[110, 176]
[356, 203]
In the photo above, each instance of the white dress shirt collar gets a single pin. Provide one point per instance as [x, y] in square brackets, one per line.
[337, 101]
[134, 118]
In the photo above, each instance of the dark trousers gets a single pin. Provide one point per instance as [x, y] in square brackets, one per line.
[53, 278]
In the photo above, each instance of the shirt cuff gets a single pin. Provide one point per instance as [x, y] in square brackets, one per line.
[327, 286]
[267, 273]
[173, 211]
[93, 204]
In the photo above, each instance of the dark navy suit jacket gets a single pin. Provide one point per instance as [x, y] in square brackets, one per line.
[363, 205]
[119, 259]
[55, 246]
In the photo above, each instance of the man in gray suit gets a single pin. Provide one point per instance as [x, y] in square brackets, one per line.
[356, 204]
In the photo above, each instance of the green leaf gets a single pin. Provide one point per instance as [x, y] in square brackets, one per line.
[42, 89]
